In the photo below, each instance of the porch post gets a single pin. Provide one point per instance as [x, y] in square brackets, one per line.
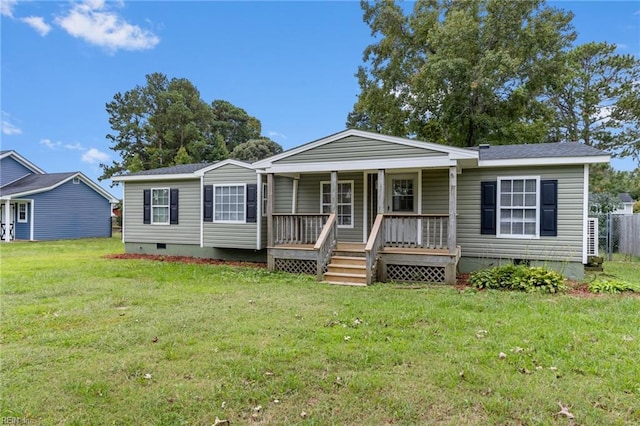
[7, 220]
[381, 202]
[270, 199]
[334, 192]
[453, 197]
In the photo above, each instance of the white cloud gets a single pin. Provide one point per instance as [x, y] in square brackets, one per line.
[6, 7]
[93, 156]
[74, 147]
[49, 144]
[38, 24]
[94, 22]
[273, 134]
[622, 46]
[8, 128]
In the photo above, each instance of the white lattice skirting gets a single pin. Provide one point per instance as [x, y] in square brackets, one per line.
[414, 273]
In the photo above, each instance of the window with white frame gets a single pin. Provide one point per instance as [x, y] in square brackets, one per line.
[345, 202]
[265, 194]
[229, 203]
[160, 206]
[22, 212]
[518, 203]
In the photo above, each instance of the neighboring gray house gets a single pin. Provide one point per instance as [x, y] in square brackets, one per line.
[627, 204]
[35, 205]
[358, 207]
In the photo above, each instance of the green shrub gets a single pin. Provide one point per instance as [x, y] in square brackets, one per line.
[519, 277]
[611, 286]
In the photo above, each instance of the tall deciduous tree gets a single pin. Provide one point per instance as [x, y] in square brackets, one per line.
[597, 99]
[460, 72]
[256, 149]
[165, 122]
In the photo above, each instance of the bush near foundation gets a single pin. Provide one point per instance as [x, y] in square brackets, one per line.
[519, 277]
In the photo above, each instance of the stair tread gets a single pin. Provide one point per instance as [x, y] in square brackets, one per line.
[345, 274]
[347, 265]
[348, 258]
[344, 283]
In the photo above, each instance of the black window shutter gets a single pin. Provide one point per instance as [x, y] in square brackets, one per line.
[252, 203]
[488, 194]
[173, 206]
[146, 203]
[549, 208]
[208, 204]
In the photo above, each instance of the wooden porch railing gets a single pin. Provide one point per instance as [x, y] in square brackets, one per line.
[374, 244]
[427, 231]
[325, 244]
[298, 228]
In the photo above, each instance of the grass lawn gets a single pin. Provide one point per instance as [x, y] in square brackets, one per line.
[91, 340]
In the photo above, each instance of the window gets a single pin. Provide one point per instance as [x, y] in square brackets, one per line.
[518, 202]
[76, 181]
[265, 194]
[229, 203]
[402, 195]
[345, 202]
[22, 212]
[160, 206]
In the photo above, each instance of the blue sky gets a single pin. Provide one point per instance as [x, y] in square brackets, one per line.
[290, 64]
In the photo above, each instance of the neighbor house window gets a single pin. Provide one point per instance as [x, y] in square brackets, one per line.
[518, 203]
[345, 202]
[229, 203]
[160, 206]
[22, 212]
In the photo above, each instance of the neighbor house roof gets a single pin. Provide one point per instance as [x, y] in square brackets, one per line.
[625, 197]
[540, 153]
[20, 159]
[35, 183]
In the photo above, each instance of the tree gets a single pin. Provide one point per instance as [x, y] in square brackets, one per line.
[256, 149]
[596, 99]
[605, 179]
[460, 72]
[165, 122]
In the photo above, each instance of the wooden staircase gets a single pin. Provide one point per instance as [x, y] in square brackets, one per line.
[348, 265]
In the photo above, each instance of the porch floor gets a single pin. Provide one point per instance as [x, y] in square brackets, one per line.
[359, 247]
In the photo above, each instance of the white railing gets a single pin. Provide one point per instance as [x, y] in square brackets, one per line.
[325, 244]
[426, 231]
[374, 244]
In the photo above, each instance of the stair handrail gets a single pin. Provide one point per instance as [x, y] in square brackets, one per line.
[374, 244]
[325, 244]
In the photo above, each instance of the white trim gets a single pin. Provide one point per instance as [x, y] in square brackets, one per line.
[259, 189]
[453, 153]
[202, 211]
[585, 213]
[150, 178]
[122, 213]
[32, 218]
[294, 196]
[545, 161]
[420, 194]
[20, 159]
[25, 204]
[244, 191]
[219, 164]
[357, 165]
[535, 236]
[168, 206]
[353, 201]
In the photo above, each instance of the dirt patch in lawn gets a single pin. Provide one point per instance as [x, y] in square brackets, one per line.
[186, 259]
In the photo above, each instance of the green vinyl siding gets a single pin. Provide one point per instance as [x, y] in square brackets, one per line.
[283, 194]
[230, 235]
[566, 247]
[187, 231]
[309, 200]
[358, 148]
[435, 191]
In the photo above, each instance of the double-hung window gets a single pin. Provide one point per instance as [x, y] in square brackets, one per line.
[160, 206]
[518, 207]
[345, 202]
[22, 213]
[229, 203]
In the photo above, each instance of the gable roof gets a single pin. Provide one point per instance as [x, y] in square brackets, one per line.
[540, 154]
[20, 159]
[37, 183]
[625, 197]
[180, 171]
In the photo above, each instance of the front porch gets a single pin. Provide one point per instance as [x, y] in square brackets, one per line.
[400, 247]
